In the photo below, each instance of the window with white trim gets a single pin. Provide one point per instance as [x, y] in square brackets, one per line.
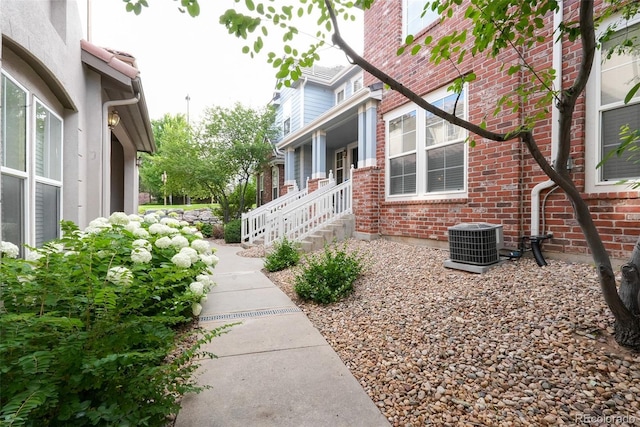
[286, 117]
[275, 182]
[618, 74]
[340, 95]
[416, 16]
[610, 81]
[31, 167]
[426, 155]
[357, 84]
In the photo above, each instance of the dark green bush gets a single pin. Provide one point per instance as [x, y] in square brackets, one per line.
[205, 228]
[329, 277]
[233, 231]
[284, 254]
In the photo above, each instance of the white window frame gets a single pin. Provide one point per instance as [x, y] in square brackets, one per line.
[30, 178]
[593, 125]
[341, 91]
[357, 84]
[421, 149]
[44, 180]
[408, 16]
[275, 182]
[286, 117]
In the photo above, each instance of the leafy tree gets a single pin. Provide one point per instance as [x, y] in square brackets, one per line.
[232, 144]
[491, 28]
[173, 156]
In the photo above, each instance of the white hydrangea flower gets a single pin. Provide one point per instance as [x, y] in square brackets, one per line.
[100, 222]
[191, 253]
[202, 246]
[171, 222]
[141, 256]
[141, 233]
[135, 217]
[184, 223]
[199, 235]
[197, 288]
[181, 260]
[141, 243]
[203, 299]
[151, 218]
[188, 230]
[34, 256]
[203, 278]
[56, 247]
[93, 230]
[97, 225]
[210, 260]
[179, 242]
[196, 309]
[119, 218]
[9, 249]
[120, 276]
[71, 253]
[132, 226]
[160, 229]
[163, 242]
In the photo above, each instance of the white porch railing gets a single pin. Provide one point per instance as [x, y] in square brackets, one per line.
[305, 215]
[254, 221]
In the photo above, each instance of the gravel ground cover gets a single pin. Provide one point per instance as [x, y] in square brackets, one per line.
[519, 345]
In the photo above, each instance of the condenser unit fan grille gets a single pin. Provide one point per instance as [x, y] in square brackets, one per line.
[475, 243]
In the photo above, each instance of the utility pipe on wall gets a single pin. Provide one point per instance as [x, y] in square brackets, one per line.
[106, 151]
[555, 113]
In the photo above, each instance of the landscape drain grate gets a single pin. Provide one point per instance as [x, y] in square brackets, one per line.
[245, 314]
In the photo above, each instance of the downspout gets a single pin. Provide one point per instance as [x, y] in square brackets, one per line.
[106, 151]
[555, 114]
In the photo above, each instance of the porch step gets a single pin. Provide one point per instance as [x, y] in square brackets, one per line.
[256, 242]
[338, 230]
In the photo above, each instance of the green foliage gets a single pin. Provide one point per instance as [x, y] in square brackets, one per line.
[233, 231]
[285, 254]
[90, 319]
[205, 228]
[237, 201]
[329, 277]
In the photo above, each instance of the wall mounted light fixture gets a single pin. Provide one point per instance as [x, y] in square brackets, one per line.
[113, 119]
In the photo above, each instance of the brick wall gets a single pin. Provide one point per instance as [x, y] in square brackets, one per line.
[500, 175]
[268, 182]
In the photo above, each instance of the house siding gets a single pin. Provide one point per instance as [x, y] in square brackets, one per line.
[500, 176]
[317, 100]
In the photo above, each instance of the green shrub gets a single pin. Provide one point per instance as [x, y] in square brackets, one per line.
[329, 277]
[284, 254]
[89, 321]
[233, 231]
[205, 228]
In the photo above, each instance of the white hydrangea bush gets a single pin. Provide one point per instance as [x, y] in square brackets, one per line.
[163, 259]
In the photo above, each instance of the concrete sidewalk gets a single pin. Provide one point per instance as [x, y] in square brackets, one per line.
[274, 369]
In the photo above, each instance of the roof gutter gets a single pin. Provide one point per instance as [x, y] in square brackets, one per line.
[106, 151]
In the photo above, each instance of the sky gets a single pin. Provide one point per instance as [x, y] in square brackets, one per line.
[180, 56]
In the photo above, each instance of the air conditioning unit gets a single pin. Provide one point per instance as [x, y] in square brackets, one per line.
[474, 244]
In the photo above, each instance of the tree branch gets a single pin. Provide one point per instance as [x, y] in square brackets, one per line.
[408, 93]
